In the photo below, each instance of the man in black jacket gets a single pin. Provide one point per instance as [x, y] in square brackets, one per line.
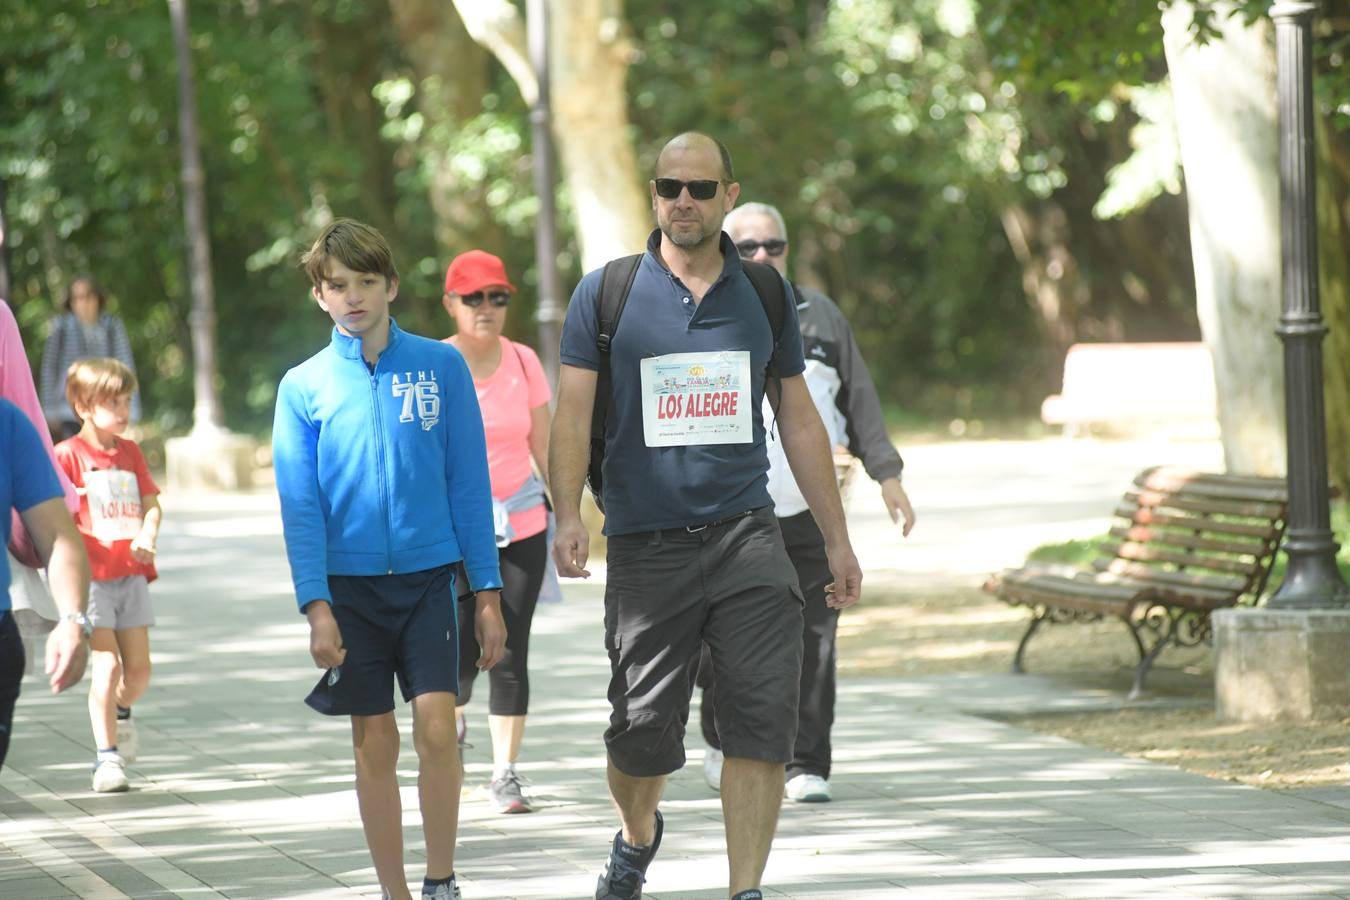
[847, 401]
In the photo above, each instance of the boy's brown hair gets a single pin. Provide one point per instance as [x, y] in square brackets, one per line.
[89, 381]
[356, 245]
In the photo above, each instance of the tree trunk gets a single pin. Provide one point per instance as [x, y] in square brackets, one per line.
[451, 81]
[1333, 237]
[589, 58]
[1227, 121]
[207, 415]
[1040, 241]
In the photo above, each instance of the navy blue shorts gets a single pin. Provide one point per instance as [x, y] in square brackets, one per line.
[393, 627]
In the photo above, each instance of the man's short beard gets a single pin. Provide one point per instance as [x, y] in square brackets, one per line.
[687, 240]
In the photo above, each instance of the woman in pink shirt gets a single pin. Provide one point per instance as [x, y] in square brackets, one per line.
[30, 601]
[513, 395]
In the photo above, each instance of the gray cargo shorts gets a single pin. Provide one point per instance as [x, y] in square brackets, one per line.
[730, 585]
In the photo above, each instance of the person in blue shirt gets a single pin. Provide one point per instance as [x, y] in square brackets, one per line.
[694, 552]
[381, 467]
[28, 483]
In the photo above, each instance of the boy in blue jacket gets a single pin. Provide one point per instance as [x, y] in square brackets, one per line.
[382, 471]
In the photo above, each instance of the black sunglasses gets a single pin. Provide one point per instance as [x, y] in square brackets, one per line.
[496, 298]
[773, 247]
[702, 189]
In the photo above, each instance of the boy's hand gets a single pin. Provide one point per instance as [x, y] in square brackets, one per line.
[143, 551]
[489, 629]
[325, 639]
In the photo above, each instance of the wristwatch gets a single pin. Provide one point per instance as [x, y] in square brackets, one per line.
[80, 619]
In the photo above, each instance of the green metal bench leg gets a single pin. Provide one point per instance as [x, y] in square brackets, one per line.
[1138, 642]
[1141, 672]
[1022, 644]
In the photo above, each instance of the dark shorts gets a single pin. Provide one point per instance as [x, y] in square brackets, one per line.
[393, 627]
[731, 586]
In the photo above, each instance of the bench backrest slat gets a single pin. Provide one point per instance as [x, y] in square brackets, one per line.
[1188, 561]
[1245, 487]
[1179, 501]
[1144, 516]
[1145, 534]
[1142, 572]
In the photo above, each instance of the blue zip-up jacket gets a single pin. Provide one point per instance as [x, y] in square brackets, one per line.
[382, 472]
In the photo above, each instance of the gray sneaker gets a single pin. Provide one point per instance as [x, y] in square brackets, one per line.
[442, 891]
[507, 795]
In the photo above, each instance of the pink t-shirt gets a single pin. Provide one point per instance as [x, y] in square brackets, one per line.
[16, 386]
[506, 398]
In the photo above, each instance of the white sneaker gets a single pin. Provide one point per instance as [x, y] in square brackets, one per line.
[806, 788]
[128, 741]
[712, 768]
[110, 776]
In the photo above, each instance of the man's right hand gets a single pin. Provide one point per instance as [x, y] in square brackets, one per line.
[571, 548]
[325, 639]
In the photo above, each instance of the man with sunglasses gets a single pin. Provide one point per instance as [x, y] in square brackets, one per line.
[694, 552]
[847, 401]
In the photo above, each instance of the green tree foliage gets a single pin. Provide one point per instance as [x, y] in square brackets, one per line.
[905, 143]
[895, 150]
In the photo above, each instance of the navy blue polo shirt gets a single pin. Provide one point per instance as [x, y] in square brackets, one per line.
[647, 488]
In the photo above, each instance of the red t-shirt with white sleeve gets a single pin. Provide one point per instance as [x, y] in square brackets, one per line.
[506, 399]
[111, 485]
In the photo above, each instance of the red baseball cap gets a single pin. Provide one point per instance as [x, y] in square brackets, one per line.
[474, 270]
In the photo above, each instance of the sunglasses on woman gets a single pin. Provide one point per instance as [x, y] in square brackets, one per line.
[702, 189]
[496, 298]
[773, 247]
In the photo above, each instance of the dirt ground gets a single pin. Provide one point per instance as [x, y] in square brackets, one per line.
[908, 634]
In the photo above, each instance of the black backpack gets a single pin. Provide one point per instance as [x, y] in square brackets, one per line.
[615, 284]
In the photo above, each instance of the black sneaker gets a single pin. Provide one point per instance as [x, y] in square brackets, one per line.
[627, 867]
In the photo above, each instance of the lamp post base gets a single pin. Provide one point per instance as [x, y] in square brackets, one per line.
[1281, 665]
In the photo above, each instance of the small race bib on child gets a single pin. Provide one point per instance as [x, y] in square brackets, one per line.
[114, 504]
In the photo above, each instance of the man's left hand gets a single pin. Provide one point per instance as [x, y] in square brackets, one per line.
[489, 629]
[67, 654]
[846, 588]
[897, 504]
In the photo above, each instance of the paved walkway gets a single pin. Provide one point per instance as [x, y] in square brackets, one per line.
[242, 792]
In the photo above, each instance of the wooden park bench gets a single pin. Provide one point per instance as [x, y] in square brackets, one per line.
[1182, 545]
[1132, 385]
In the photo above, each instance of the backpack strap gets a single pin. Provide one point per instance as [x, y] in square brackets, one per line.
[615, 283]
[768, 285]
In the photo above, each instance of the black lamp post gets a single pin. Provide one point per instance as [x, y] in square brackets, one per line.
[1312, 580]
[549, 312]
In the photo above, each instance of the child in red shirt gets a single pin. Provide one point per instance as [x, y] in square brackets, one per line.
[119, 519]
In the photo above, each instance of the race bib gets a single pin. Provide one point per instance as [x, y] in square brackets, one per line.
[697, 398]
[114, 504]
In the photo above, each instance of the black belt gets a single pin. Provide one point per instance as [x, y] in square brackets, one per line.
[695, 529]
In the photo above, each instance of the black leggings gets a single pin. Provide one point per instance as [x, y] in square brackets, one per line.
[11, 673]
[522, 565]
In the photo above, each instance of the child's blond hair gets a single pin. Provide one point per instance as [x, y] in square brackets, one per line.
[90, 381]
[356, 245]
